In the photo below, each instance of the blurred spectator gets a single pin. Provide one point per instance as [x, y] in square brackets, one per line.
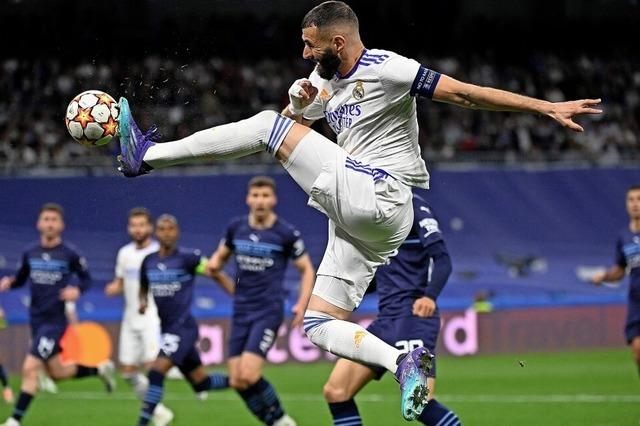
[186, 97]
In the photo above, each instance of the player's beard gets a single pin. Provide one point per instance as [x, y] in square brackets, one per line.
[328, 64]
[141, 239]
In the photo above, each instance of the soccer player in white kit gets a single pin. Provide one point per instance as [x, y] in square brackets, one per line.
[362, 183]
[139, 334]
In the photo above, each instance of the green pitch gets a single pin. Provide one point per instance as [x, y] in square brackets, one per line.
[563, 389]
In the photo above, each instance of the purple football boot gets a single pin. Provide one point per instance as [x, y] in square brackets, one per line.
[133, 143]
[412, 376]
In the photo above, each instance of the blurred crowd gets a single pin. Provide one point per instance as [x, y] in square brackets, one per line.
[185, 96]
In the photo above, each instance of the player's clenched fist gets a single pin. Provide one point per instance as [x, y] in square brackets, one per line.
[301, 94]
[5, 283]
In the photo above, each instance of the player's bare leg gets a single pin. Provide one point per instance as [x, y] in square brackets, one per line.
[635, 350]
[7, 392]
[60, 371]
[28, 388]
[346, 380]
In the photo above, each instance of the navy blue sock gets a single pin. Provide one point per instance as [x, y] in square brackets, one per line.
[21, 406]
[253, 400]
[261, 398]
[212, 382]
[152, 398]
[3, 377]
[84, 371]
[345, 413]
[436, 414]
[273, 409]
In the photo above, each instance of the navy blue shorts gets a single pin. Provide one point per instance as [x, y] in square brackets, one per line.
[45, 340]
[178, 343]
[406, 334]
[632, 325]
[255, 335]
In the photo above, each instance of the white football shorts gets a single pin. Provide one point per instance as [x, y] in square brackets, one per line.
[138, 345]
[370, 214]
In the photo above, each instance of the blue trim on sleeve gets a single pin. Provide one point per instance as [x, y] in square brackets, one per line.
[425, 83]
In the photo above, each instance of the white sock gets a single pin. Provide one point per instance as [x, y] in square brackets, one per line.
[264, 131]
[349, 340]
[138, 382]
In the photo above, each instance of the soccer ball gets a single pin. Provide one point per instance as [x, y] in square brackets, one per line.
[92, 118]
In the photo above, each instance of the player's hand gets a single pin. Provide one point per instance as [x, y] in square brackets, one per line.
[112, 289]
[598, 278]
[298, 311]
[301, 95]
[142, 308]
[5, 283]
[211, 267]
[563, 112]
[424, 307]
[70, 293]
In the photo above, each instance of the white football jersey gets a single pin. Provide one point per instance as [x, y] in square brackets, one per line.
[372, 110]
[128, 265]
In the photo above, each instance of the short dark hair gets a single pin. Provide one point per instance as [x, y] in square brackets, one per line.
[330, 13]
[141, 211]
[166, 217]
[259, 181]
[633, 188]
[52, 207]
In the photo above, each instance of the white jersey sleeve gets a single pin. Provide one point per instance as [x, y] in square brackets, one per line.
[315, 111]
[397, 75]
[120, 264]
[402, 76]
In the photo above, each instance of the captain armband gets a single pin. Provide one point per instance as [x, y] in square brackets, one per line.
[425, 83]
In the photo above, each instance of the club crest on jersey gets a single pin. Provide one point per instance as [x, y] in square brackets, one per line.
[358, 91]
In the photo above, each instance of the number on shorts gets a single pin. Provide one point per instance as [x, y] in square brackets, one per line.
[170, 343]
[45, 347]
[267, 340]
[407, 346]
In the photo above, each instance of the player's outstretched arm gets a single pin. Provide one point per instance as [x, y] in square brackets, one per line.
[615, 273]
[215, 268]
[307, 277]
[115, 287]
[467, 95]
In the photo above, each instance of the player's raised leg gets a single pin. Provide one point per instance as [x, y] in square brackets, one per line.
[60, 371]
[140, 153]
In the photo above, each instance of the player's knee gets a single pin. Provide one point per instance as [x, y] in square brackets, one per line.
[249, 375]
[335, 393]
[237, 383]
[30, 371]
